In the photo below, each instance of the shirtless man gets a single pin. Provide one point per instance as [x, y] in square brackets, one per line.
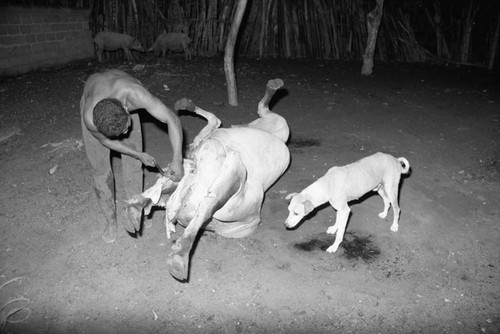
[109, 106]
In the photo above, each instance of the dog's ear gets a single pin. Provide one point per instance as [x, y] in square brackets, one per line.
[308, 207]
[290, 195]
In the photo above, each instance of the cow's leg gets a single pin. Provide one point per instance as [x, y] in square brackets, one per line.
[212, 121]
[228, 182]
[271, 88]
[174, 203]
[156, 195]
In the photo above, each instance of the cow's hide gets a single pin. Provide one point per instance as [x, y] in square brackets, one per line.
[259, 158]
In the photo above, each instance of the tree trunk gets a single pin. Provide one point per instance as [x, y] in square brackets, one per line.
[467, 31]
[232, 90]
[373, 20]
[222, 27]
[136, 15]
[494, 45]
[441, 44]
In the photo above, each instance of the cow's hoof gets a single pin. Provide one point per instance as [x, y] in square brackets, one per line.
[178, 267]
[131, 221]
[184, 104]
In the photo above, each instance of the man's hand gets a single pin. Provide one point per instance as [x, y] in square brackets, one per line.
[175, 171]
[147, 159]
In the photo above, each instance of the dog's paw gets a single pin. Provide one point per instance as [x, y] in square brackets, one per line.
[332, 248]
[382, 215]
[394, 227]
[332, 229]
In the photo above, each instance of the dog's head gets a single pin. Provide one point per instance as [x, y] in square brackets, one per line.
[298, 208]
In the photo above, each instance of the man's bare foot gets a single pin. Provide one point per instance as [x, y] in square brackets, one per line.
[109, 234]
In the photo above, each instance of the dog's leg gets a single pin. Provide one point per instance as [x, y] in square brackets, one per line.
[381, 191]
[332, 229]
[392, 193]
[339, 227]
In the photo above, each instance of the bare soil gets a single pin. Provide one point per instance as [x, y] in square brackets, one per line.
[438, 274]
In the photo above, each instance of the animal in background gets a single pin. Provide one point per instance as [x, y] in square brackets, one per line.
[112, 41]
[379, 172]
[180, 27]
[172, 41]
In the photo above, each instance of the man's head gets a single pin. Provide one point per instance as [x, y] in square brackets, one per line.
[111, 118]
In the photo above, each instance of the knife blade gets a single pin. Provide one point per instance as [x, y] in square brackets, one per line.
[162, 172]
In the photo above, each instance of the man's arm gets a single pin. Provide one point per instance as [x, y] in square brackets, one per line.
[121, 147]
[141, 98]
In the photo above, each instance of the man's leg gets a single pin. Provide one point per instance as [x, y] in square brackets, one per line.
[133, 176]
[104, 185]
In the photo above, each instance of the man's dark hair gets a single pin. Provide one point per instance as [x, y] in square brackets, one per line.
[110, 117]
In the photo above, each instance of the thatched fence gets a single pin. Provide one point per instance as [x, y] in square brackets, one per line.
[462, 31]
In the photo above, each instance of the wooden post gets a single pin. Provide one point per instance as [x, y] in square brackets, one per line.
[136, 15]
[435, 21]
[222, 27]
[373, 20]
[467, 31]
[494, 44]
[232, 90]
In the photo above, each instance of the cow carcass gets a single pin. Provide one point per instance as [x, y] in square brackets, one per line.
[227, 172]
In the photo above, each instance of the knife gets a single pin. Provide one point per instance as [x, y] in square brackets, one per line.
[162, 172]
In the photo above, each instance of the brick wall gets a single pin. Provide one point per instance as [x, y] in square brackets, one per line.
[33, 37]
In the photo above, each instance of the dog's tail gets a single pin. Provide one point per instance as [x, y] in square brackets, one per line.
[404, 164]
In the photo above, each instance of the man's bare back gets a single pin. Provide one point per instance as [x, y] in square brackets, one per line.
[132, 94]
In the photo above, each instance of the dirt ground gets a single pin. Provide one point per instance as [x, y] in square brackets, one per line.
[438, 274]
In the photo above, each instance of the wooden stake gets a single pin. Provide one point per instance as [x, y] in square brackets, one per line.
[232, 90]
[494, 44]
[373, 20]
[467, 31]
[441, 44]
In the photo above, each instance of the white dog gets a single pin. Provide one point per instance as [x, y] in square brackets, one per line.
[378, 172]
